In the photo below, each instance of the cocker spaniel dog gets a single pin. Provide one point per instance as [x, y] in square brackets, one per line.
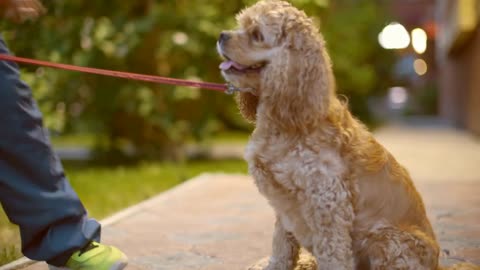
[335, 190]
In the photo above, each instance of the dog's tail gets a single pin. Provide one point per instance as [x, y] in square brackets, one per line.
[460, 266]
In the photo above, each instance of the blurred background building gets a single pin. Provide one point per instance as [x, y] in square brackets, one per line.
[441, 73]
[458, 58]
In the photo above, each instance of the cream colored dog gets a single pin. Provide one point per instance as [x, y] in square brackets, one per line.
[335, 190]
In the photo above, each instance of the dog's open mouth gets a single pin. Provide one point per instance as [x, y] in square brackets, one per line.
[232, 66]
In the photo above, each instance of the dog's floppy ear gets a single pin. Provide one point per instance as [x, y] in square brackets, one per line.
[298, 83]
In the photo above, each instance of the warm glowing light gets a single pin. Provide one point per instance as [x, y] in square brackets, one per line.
[419, 40]
[180, 38]
[420, 66]
[394, 36]
[397, 96]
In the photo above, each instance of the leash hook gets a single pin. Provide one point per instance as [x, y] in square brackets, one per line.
[231, 89]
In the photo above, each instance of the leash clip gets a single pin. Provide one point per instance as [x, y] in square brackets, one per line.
[231, 89]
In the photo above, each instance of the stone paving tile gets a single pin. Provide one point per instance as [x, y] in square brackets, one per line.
[434, 154]
[454, 210]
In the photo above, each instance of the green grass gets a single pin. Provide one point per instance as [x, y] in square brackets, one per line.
[230, 137]
[88, 140]
[106, 190]
[77, 140]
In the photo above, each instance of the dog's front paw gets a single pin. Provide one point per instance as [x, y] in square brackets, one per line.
[260, 265]
[305, 262]
[271, 264]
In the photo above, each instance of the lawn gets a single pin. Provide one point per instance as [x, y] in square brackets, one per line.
[106, 190]
[88, 140]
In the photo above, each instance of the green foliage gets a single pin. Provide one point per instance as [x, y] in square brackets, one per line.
[362, 68]
[174, 39]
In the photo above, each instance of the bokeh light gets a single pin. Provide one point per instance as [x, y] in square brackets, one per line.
[394, 36]
[419, 40]
[397, 97]
[420, 66]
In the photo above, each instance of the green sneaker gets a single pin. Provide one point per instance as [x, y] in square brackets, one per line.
[96, 256]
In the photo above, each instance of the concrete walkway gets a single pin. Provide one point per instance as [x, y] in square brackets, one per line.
[220, 222]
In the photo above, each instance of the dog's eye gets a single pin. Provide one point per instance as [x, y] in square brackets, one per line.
[257, 35]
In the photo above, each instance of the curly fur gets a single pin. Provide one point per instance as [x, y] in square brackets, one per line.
[335, 190]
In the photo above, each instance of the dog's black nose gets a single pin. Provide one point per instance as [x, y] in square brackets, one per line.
[223, 37]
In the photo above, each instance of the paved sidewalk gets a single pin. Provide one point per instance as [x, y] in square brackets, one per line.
[220, 222]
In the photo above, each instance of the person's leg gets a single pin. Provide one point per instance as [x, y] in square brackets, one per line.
[34, 191]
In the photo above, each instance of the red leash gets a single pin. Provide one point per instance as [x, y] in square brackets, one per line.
[125, 75]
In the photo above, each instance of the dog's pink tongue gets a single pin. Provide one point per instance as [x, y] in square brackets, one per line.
[228, 64]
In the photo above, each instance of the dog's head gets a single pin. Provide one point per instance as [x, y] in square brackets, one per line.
[277, 51]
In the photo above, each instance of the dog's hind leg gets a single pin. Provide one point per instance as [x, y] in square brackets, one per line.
[406, 249]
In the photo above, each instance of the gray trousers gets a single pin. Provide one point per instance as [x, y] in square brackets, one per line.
[34, 191]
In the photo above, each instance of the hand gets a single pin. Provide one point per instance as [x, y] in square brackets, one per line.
[22, 10]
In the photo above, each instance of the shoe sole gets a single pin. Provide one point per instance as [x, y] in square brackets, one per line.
[119, 266]
[116, 266]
